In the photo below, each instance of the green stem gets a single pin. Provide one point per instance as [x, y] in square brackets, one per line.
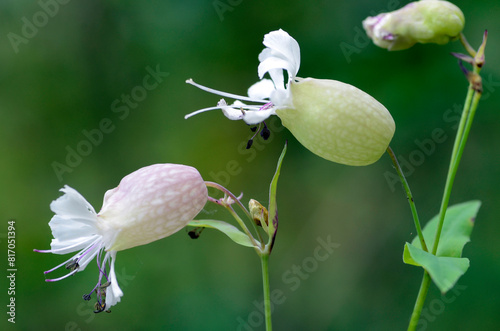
[238, 219]
[468, 113]
[267, 293]
[419, 304]
[226, 191]
[471, 102]
[460, 140]
[409, 197]
[234, 214]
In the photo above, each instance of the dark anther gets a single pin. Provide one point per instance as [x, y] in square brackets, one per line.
[265, 133]
[103, 286]
[99, 308]
[86, 297]
[195, 233]
[72, 265]
[249, 143]
[255, 129]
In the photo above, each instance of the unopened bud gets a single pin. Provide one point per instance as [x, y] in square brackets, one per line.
[258, 212]
[425, 21]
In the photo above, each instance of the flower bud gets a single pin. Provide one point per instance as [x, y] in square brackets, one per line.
[425, 21]
[258, 212]
[338, 121]
[151, 203]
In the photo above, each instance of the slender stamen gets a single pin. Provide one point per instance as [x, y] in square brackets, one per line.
[267, 106]
[102, 271]
[87, 297]
[105, 285]
[100, 288]
[63, 277]
[60, 265]
[200, 111]
[247, 107]
[70, 248]
[224, 94]
[256, 130]
[56, 251]
[93, 250]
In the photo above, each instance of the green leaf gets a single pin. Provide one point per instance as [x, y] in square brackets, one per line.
[229, 230]
[444, 271]
[457, 228]
[273, 207]
[447, 266]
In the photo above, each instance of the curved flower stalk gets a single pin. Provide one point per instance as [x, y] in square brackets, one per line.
[148, 204]
[260, 217]
[334, 120]
[424, 21]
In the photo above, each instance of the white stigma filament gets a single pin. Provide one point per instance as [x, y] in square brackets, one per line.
[227, 95]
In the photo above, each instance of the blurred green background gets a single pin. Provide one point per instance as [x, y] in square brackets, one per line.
[63, 80]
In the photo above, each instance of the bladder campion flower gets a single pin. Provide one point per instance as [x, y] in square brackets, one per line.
[425, 21]
[148, 204]
[334, 120]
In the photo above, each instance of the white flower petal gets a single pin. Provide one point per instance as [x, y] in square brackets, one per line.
[283, 52]
[75, 224]
[282, 99]
[230, 112]
[257, 116]
[72, 204]
[276, 64]
[69, 229]
[278, 78]
[65, 247]
[282, 43]
[262, 89]
[238, 103]
[113, 292]
[265, 54]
